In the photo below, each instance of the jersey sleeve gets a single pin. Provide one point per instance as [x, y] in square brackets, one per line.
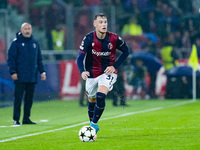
[121, 45]
[85, 44]
[81, 55]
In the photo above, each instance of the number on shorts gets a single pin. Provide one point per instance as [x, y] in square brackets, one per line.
[110, 78]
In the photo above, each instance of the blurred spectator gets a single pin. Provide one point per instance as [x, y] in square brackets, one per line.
[132, 28]
[82, 26]
[152, 85]
[58, 38]
[158, 8]
[118, 92]
[169, 58]
[166, 10]
[197, 42]
[162, 21]
[186, 43]
[178, 37]
[138, 79]
[191, 26]
[150, 47]
[151, 22]
[168, 53]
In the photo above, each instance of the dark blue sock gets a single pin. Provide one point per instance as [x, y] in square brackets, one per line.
[91, 110]
[99, 107]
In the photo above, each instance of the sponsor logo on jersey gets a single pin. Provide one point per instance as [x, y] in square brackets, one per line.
[100, 53]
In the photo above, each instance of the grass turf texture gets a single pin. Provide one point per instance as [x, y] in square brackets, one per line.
[169, 126]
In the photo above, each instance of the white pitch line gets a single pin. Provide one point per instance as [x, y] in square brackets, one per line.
[20, 125]
[132, 113]
[86, 122]
[49, 131]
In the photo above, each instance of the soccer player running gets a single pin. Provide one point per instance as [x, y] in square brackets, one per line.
[97, 65]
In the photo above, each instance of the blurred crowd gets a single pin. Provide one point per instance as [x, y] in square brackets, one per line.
[155, 22]
[146, 25]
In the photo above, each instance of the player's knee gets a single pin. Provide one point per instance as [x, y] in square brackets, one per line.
[100, 99]
[92, 100]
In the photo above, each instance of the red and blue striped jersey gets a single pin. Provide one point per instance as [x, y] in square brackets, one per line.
[100, 53]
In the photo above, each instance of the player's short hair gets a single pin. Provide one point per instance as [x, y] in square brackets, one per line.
[100, 15]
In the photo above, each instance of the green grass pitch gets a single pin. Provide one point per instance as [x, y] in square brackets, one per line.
[143, 125]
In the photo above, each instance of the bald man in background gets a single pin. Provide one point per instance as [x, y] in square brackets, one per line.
[24, 62]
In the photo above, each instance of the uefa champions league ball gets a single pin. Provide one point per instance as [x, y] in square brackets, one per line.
[87, 134]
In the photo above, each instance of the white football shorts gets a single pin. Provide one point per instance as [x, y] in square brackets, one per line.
[92, 84]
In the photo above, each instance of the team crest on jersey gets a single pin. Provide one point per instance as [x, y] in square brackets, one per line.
[34, 45]
[110, 46]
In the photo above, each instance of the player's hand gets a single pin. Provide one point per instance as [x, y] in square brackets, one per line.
[85, 75]
[109, 70]
[43, 77]
[14, 76]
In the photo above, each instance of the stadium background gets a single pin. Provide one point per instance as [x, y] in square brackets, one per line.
[177, 21]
